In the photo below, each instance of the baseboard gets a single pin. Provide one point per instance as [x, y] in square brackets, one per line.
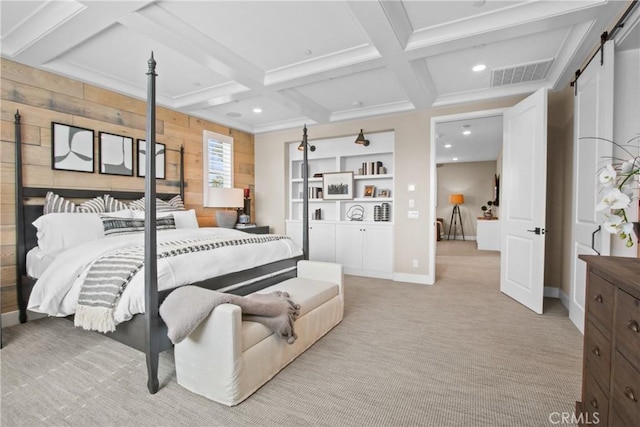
[13, 317]
[413, 278]
[466, 238]
[551, 292]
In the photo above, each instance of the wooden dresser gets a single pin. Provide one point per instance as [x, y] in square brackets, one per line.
[611, 363]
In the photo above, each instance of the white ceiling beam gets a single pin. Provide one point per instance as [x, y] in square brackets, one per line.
[66, 33]
[375, 23]
[160, 25]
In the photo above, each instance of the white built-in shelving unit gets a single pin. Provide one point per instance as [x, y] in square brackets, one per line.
[363, 247]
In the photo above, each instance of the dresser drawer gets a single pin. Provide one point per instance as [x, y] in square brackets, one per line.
[600, 303]
[625, 390]
[595, 403]
[628, 324]
[598, 355]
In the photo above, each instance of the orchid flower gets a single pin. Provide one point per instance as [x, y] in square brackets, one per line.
[608, 176]
[614, 199]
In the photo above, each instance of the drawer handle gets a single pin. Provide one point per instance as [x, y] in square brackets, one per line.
[595, 350]
[594, 403]
[628, 391]
[633, 325]
[598, 298]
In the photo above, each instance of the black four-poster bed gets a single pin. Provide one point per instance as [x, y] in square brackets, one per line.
[146, 331]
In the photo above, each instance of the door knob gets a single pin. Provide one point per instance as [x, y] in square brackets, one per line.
[537, 230]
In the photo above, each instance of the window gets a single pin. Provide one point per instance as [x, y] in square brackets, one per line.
[217, 162]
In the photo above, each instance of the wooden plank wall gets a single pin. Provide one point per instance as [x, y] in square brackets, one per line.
[43, 97]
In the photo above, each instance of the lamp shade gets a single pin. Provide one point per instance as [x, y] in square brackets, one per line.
[218, 197]
[456, 199]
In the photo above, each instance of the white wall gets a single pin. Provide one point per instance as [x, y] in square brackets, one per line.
[475, 181]
[412, 160]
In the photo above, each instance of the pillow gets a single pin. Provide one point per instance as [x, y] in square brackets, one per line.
[57, 231]
[161, 206]
[54, 203]
[112, 204]
[183, 219]
[114, 226]
[177, 202]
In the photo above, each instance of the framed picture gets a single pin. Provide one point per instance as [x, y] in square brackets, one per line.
[384, 192]
[72, 148]
[369, 191]
[160, 158]
[116, 154]
[337, 186]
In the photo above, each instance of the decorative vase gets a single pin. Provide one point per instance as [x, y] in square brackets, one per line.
[488, 215]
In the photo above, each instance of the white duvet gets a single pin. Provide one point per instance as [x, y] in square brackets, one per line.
[56, 291]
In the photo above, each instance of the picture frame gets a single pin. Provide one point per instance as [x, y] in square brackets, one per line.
[384, 192]
[72, 148]
[116, 154]
[337, 186]
[160, 159]
[369, 191]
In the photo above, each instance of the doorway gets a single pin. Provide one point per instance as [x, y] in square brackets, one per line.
[466, 152]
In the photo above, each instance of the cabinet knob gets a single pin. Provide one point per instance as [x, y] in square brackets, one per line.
[633, 325]
[594, 403]
[595, 350]
[598, 298]
[628, 391]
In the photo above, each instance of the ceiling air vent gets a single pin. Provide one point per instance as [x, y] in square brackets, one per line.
[520, 73]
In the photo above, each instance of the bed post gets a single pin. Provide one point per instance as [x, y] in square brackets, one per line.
[182, 172]
[21, 250]
[152, 318]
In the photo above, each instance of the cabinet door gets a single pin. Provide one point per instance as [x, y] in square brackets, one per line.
[349, 246]
[377, 249]
[322, 242]
[294, 230]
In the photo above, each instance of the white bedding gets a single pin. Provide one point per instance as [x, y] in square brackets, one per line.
[38, 261]
[57, 289]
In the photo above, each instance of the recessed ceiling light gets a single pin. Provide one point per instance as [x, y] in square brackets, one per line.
[479, 67]
[455, 159]
[478, 3]
[466, 132]
[308, 52]
[257, 110]
[447, 146]
[233, 114]
[356, 104]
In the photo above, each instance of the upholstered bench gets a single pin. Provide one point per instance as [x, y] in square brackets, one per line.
[227, 359]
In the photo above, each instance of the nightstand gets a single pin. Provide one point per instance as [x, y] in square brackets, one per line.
[261, 229]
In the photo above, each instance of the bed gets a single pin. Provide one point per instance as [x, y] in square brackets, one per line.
[138, 324]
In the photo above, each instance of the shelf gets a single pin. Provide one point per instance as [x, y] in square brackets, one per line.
[379, 176]
[359, 200]
[310, 180]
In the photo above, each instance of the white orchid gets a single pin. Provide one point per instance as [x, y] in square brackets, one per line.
[620, 181]
[614, 199]
[608, 176]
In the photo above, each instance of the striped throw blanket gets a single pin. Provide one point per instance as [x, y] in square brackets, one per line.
[110, 274]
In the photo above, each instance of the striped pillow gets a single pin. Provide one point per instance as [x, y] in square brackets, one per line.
[114, 226]
[112, 204]
[175, 204]
[54, 203]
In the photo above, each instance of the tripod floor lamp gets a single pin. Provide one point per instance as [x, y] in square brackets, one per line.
[456, 200]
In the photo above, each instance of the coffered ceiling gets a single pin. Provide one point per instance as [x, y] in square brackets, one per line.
[308, 61]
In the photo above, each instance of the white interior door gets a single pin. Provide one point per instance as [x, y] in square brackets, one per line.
[524, 201]
[593, 117]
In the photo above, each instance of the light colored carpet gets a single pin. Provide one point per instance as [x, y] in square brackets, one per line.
[458, 353]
